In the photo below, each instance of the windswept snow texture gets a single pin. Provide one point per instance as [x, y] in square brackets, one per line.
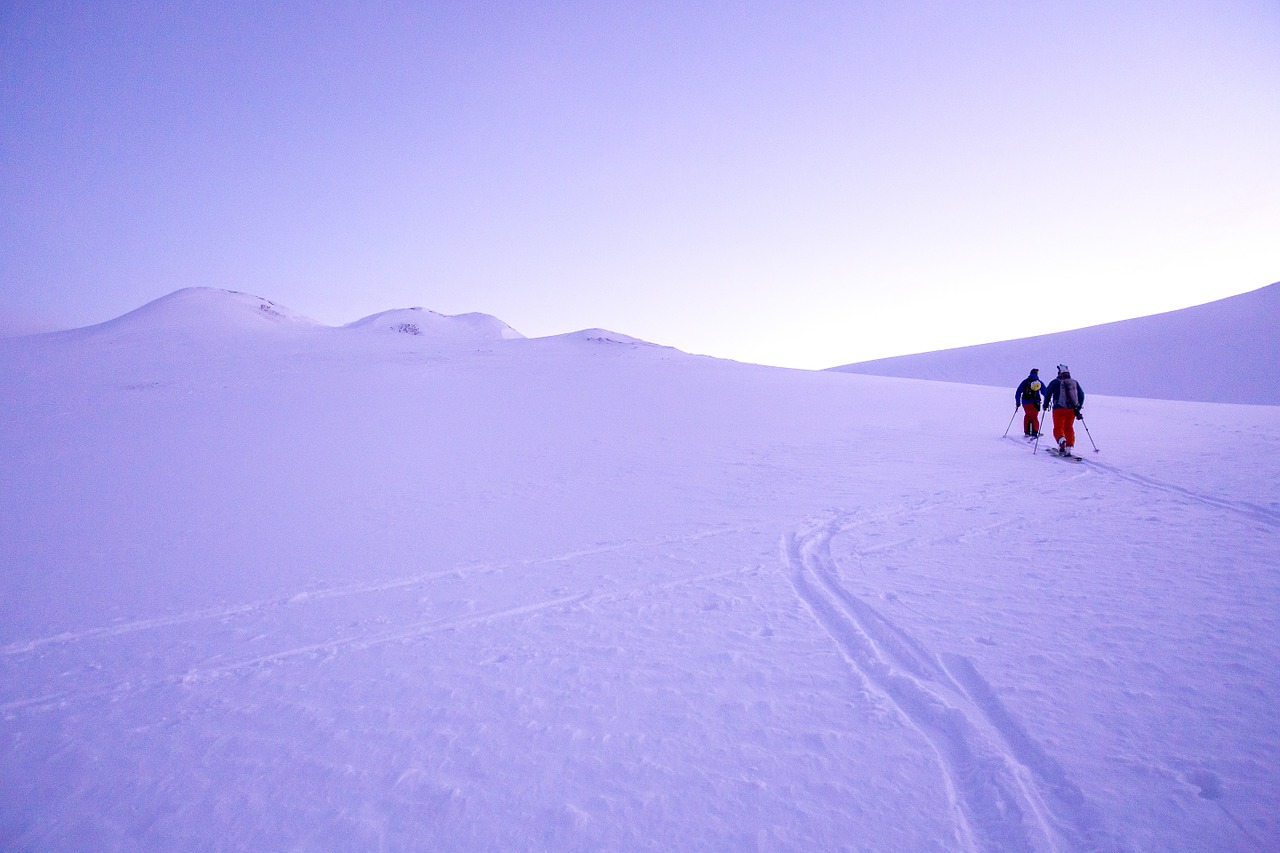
[1223, 352]
[275, 586]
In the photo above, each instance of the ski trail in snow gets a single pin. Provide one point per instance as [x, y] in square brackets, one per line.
[1006, 793]
[313, 595]
[988, 814]
[400, 634]
[419, 630]
[1249, 510]
[1072, 815]
[327, 647]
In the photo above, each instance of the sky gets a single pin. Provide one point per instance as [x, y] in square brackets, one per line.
[802, 184]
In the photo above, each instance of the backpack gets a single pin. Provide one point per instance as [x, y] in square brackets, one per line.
[1068, 396]
[1031, 393]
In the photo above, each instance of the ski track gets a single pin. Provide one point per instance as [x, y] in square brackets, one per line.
[312, 595]
[1252, 511]
[1006, 793]
[401, 634]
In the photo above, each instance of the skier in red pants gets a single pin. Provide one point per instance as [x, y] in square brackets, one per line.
[1065, 396]
[1027, 395]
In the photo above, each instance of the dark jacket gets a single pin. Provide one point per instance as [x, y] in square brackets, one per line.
[1059, 393]
[1024, 393]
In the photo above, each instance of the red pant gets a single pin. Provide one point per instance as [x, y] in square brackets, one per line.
[1064, 425]
[1030, 419]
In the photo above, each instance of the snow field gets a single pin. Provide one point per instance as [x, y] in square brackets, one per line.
[286, 587]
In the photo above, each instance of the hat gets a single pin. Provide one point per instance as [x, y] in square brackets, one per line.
[1035, 370]
[1062, 368]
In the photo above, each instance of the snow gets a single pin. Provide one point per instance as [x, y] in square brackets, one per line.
[453, 329]
[204, 312]
[268, 584]
[1223, 352]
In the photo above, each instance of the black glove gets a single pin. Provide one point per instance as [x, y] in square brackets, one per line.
[1079, 415]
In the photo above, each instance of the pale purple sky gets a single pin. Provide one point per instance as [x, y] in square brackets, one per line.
[803, 184]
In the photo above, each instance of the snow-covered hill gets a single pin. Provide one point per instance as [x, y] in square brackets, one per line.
[1226, 351]
[204, 313]
[456, 329]
[281, 586]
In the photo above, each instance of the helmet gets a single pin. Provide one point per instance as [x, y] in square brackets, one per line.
[1062, 368]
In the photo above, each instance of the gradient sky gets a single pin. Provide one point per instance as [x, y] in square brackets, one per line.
[803, 184]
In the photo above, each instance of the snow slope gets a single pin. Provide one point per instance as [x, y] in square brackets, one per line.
[453, 329]
[302, 589]
[1225, 352]
[203, 313]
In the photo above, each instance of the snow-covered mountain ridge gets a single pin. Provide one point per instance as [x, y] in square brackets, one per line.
[435, 326]
[210, 313]
[271, 585]
[1225, 351]
[200, 312]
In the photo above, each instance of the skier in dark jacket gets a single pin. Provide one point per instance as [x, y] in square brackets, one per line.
[1028, 395]
[1065, 396]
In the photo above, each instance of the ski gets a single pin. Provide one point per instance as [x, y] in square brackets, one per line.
[1053, 451]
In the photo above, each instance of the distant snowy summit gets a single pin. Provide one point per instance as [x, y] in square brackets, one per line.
[421, 322]
[204, 312]
[604, 336]
[194, 310]
[1226, 351]
[208, 315]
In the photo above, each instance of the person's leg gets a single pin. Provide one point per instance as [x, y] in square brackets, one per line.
[1062, 426]
[1030, 426]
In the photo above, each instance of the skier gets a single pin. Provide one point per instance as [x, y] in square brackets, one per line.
[1065, 396]
[1028, 395]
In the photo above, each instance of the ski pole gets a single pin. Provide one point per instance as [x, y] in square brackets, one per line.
[1086, 432]
[1006, 429]
[1035, 448]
